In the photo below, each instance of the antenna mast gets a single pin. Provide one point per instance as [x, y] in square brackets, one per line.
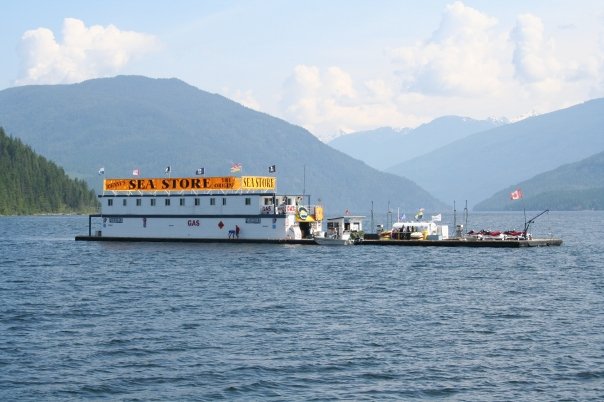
[465, 211]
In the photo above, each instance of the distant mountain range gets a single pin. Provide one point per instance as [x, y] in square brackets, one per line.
[385, 147]
[575, 186]
[482, 164]
[131, 122]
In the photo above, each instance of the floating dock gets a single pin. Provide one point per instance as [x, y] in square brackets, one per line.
[466, 243]
[369, 242]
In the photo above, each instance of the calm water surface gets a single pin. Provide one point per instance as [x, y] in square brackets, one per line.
[132, 321]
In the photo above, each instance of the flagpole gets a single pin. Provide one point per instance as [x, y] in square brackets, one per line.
[524, 209]
[372, 225]
[304, 185]
[465, 211]
[454, 217]
[517, 195]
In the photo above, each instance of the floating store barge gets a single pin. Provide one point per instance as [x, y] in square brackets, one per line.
[242, 209]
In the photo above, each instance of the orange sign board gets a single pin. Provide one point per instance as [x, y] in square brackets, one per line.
[191, 184]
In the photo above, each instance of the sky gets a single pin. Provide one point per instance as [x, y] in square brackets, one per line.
[333, 67]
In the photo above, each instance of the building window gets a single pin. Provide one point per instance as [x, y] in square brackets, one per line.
[138, 202]
[248, 201]
[212, 201]
[223, 201]
[197, 202]
[124, 202]
[182, 202]
[109, 202]
[152, 202]
[167, 202]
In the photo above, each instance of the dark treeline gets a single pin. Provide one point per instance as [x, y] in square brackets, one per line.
[30, 184]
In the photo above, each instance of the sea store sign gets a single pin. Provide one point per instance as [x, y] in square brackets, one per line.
[191, 184]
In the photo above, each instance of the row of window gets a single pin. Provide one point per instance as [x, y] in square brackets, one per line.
[152, 201]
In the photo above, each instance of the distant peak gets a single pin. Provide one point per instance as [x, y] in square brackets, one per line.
[524, 116]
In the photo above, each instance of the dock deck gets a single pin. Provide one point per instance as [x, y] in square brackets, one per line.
[466, 243]
[370, 242]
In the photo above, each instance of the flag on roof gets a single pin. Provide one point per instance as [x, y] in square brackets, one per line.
[420, 214]
[200, 171]
[272, 168]
[236, 167]
[437, 218]
[168, 169]
[516, 195]
[102, 170]
[136, 172]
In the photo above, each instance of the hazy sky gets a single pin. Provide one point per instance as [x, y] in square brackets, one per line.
[331, 66]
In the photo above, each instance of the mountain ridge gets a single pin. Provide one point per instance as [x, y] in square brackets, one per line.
[480, 165]
[386, 147]
[128, 122]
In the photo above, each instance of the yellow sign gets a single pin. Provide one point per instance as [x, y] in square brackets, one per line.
[258, 183]
[318, 213]
[191, 184]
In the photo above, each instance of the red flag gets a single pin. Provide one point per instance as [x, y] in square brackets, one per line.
[516, 195]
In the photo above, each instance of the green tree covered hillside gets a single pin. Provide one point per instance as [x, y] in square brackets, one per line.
[30, 184]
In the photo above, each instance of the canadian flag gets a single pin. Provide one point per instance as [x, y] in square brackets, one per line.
[516, 195]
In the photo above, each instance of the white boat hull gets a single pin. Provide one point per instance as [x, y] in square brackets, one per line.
[324, 241]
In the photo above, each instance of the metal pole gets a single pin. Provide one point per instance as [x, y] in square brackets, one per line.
[372, 225]
[454, 217]
[304, 186]
[389, 217]
[466, 213]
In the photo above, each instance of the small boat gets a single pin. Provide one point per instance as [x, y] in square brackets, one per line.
[333, 240]
[418, 230]
[325, 241]
[342, 231]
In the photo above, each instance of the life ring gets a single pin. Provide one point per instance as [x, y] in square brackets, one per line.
[302, 213]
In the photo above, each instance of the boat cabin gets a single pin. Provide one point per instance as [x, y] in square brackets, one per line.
[419, 230]
[352, 224]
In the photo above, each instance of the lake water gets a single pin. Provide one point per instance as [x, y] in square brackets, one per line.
[167, 321]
